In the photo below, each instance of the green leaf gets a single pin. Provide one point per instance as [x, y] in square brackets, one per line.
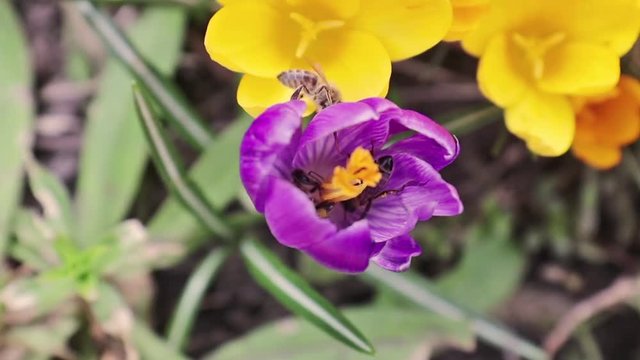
[298, 296]
[150, 345]
[187, 309]
[491, 267]
[32, 297]
[44, 339]
[172, 170]
[114, 152]
[423, 293]
[399, 334]
[219, 165]
[52, 196]
[34, 245]
[16, 114]
[166, 93]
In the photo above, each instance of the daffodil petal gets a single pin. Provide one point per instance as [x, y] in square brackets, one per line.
[580, 68]
[405, 27]
[545, 122]
[353, 61]
[499, 76]
[252, 37]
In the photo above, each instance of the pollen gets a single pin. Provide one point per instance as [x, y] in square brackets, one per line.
[536, 48]
[348, 182]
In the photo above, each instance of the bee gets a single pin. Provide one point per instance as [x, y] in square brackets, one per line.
[312, 84]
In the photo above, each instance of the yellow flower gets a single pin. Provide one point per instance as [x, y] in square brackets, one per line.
[352, 41]
[466, 16]
[607, 123]
[534, 54]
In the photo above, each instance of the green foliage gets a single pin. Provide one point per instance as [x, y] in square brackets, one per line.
[491, 266]
[400, 334]
[113, 154]
[298, 296]
[16, 114]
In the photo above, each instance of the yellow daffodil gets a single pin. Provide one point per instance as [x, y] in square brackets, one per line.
[607, 123]
[353, 42]
[534, 54]
[466, 16]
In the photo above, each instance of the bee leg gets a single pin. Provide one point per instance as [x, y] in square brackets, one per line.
[325, 99]
[297, 94]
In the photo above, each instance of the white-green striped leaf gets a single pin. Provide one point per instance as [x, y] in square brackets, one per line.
[172, 170]
[298, 296]
[165, 92]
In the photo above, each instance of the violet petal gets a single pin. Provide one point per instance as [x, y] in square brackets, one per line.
[348, 250]
[292, 217]
[433, 144]
[397, 253]
[266, 141]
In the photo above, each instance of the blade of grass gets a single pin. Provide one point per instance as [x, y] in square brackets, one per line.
[172, 170]
[114, 152]
[298, 296]
[163, 91]
[16, 114]
[187, 309]
[423, 294]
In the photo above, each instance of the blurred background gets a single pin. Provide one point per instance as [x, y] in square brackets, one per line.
[543, 242]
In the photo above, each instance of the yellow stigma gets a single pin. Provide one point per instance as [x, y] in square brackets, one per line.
[536, 48]
[347, 183]
[310, 30]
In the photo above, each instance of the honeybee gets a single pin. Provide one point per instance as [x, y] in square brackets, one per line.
[312, 84]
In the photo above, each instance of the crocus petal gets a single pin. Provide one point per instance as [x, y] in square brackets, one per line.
[405, 27]
[433, 143]
[317, 144]
[580, 68]
[389, 217]
[614, 24]
[546, 122]
[292, 217]
[353, 61]
[397, 253]
[500, 73]
[348, 250]
[599, 156]
[256, 94]
[466, 15]
[263, 145]
[252, 37]
[422, 188]
[323, 10]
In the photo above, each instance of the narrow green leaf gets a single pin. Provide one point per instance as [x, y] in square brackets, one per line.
[52, 196]
[165, 92]
[172, 170]
[399, 333]
[187, 309]
[424, 294]
[16, 114]
[462, 124]
[114, 151]
[219, 165]
[298, 296]
[151, 346]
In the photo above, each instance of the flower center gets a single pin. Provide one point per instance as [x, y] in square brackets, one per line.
[536, 47]
[310, 30]
[350, 181]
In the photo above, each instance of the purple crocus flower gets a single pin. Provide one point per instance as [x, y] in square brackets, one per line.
[337, 190]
